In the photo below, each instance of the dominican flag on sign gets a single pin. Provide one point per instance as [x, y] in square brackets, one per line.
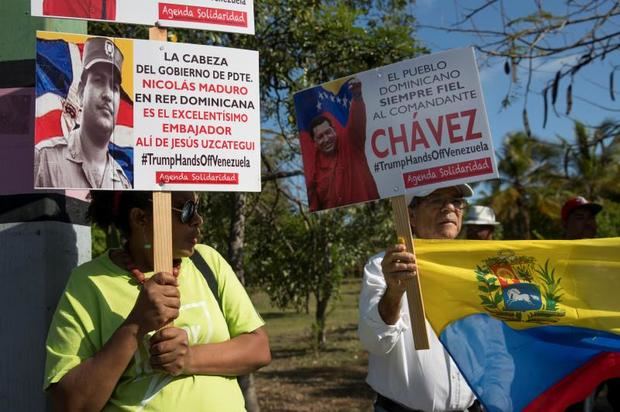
[58, 72]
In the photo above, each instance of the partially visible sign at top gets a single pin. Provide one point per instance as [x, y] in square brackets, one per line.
[235, 16]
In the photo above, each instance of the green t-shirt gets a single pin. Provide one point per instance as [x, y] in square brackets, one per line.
[100, 295]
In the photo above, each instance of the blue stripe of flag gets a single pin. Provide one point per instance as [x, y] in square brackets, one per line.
[508, 368]
[124, 157]
[312, 102]
[54, 71]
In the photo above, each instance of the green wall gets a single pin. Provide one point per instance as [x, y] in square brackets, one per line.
[18, 29]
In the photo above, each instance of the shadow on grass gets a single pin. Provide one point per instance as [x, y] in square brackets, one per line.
[344, 332]
[324, 381]
[350, 292]
[274, 315]
[289, 353]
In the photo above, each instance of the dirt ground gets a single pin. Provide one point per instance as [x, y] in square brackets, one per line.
[285, 385]
[302, 379]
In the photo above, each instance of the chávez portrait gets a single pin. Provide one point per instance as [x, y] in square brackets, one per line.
[80, 156]
[332, 124]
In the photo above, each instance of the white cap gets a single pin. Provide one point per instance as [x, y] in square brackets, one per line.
[465, 189]
[480, 215]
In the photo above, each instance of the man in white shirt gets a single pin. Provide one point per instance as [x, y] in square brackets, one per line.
[406, 379]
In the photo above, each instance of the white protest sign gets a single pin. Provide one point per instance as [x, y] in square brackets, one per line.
[235, 16]
[197, 109]
[425, 127]
[185, 117]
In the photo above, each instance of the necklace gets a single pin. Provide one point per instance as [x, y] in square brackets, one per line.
[137, 274]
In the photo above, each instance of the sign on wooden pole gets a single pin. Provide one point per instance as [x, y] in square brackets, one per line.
[162, 206]
[412, 126]
[414, 290]
[186, 116]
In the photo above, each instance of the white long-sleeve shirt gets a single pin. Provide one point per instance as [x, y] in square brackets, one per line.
[427, 379]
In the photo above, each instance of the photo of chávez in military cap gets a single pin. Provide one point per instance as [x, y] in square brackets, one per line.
[80, 157]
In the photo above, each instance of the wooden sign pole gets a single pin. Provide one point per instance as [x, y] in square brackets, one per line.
[414, 290]
[162, 206]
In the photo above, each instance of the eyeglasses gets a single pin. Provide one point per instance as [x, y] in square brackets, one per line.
[188, 211]
[440, 201]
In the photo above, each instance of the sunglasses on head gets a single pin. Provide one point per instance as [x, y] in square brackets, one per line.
[188, 211]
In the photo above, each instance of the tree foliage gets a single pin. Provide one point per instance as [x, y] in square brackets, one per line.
[525, 163]
[300, 256]
[575, 34]
[591, 161]
[537, 176]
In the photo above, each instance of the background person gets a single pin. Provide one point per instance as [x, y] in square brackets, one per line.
[480, 223]
[81, 159]
[108, 346]
[406, 379]
[579, 222]
[341, 175]
[579, 218]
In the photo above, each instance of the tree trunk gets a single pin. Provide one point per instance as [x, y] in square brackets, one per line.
[526, 225]
[246, 382]
[235, 258]
[320, 318]
[236, 236]
[523, 223]
[323, 294]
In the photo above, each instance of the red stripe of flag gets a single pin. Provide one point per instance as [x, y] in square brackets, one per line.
[578, 385]
[48, 126]
[125, 112]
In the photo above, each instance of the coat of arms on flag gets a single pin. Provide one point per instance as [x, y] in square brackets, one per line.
[518, 288]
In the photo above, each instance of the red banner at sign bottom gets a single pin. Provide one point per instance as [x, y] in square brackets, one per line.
[218, 178]
[448, 172]
[180, 12]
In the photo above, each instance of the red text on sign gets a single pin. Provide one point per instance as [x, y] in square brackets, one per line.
[445, 129]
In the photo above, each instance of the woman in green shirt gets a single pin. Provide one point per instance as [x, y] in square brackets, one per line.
[126, 339]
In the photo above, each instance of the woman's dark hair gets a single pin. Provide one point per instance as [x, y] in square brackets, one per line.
[109, 208]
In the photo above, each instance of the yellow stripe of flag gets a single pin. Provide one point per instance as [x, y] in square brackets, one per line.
[525, 283]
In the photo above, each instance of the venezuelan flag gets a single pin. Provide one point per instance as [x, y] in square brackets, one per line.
[532, 325]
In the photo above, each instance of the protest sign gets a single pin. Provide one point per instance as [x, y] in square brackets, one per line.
[222, 15]
[420, 123]
[183, 117]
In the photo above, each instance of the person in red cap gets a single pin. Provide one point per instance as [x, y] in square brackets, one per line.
[83, 9]
[579, 218]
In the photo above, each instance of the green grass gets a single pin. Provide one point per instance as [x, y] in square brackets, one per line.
[333, 376]
[292, 331]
